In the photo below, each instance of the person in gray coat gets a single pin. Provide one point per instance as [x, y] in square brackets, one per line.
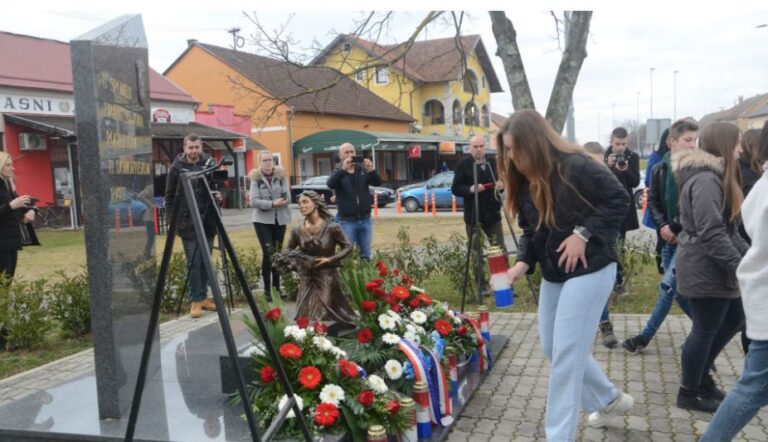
[270, 196]
[710, 249]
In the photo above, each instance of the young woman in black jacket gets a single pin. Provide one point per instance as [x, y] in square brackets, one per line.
[570, 208]
[14, 210]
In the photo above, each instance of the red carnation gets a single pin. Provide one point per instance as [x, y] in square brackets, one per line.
[310, 377]
[395, 272]
[267, 374]
[348, 369]
[414, 303]
[393, 407]
[368, 306]
[366, 398]
[406, 280]
[425, 299]
[401, 292]
[395, 308]
[382, 266]
[274, 314]
[461, 331]
[365, 336]
[290, 351]
[443, 327]
[320, 328]
[380, 293]
[373, 284]
[302, 322]
[326, 414]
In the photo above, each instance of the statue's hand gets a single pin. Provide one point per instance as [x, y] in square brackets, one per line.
[320, 262]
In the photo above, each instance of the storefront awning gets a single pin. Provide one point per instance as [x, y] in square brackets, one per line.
[64, 126]
[330, 140]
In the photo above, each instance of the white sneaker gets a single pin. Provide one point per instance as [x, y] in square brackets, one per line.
[602, 418]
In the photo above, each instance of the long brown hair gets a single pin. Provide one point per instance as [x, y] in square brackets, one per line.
[720, 139]
[749, 143]
[533, 155]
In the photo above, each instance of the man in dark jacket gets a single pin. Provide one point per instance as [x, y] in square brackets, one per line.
[625, 164]
[193, 159]
[488, 212]
[351, 183]
[663, 207]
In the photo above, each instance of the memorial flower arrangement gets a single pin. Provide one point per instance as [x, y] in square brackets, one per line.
[335, 394]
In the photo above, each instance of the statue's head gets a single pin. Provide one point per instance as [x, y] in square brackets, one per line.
[310, 201]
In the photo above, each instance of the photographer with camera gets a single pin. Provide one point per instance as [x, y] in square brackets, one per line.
[15, 210]
[353, 198]
[193, 159]
[625, 164]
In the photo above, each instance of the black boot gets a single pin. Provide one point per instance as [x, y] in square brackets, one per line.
[694, 400]
[709, 388]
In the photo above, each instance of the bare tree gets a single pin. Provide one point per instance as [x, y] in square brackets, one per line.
[567, 74]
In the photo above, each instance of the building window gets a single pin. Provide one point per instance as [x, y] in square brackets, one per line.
[470, 82]
[360, 75]
[276, 158]
[382, 75]
[486, 116]
[483, 81]
[347, 47]
[433, 113]
[456, 112]
[471, 116]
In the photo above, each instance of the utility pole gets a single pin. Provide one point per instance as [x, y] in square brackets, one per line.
[237, 40]
[637, 130]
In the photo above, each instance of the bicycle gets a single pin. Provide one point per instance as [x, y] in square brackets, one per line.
[51, 216]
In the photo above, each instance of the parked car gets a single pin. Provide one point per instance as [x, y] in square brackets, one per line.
[319, 184]
[412, 195]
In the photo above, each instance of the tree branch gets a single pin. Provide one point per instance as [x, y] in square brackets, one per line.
[508, 51]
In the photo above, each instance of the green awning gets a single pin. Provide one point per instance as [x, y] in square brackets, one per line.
[330, 140]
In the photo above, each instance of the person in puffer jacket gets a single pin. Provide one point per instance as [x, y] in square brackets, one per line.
[751, 391]
[709, 249]
[570, 207]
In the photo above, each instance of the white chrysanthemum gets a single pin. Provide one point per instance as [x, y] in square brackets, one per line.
[332, 394]
[386, 322]
[377, 384]
[457, 320]
[418, 317]
[413, 337]
[390, 338]
[394, 369]
[293, 331]
[284, 400]
[339, 353]
[413, 288]
[322, 343]
[395, 316]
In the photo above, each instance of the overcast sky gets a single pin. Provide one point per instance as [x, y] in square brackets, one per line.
[720, 54]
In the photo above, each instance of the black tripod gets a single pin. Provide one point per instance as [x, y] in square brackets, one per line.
[186, 189]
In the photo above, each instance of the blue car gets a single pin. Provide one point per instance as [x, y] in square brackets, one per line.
[412, 195]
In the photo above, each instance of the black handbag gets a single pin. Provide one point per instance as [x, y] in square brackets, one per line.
[28, 235]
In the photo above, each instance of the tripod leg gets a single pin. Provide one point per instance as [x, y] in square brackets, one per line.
[534, 293]
[466, 270]
[186, 282]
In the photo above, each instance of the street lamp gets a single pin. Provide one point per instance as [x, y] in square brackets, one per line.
[652, 69]
[674, 95]
[637, 129]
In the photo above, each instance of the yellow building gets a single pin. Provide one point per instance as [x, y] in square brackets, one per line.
[285, 102]
[427, 81]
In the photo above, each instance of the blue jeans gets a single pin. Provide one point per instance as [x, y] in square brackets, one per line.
[667, 294]
[359, 233]
[197, 279]
[745, 398]
[568, 316]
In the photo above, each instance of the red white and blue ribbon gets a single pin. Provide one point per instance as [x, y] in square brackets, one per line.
[440, 380]
[416, 359]
[481, 352]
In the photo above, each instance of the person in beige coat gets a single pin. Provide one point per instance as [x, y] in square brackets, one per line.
[270, 196]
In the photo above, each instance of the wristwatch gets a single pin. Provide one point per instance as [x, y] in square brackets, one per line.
[582, 232]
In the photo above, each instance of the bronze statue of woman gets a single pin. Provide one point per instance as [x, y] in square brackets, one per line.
[312, 252]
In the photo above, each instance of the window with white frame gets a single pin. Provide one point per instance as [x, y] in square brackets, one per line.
[382, 75]
[360, 75]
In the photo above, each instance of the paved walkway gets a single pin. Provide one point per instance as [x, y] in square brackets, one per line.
[509, 406]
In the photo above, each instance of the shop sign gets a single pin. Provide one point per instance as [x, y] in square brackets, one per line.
[447, 148]
[161, 115]
[414, 151]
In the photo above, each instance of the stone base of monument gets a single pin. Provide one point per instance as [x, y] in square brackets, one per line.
[183, 400]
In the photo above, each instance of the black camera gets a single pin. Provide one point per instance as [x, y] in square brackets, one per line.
[357, 159]
[33, 201]
[621, 160]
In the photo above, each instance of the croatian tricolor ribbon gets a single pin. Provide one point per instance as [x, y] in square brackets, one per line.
[415, 356]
